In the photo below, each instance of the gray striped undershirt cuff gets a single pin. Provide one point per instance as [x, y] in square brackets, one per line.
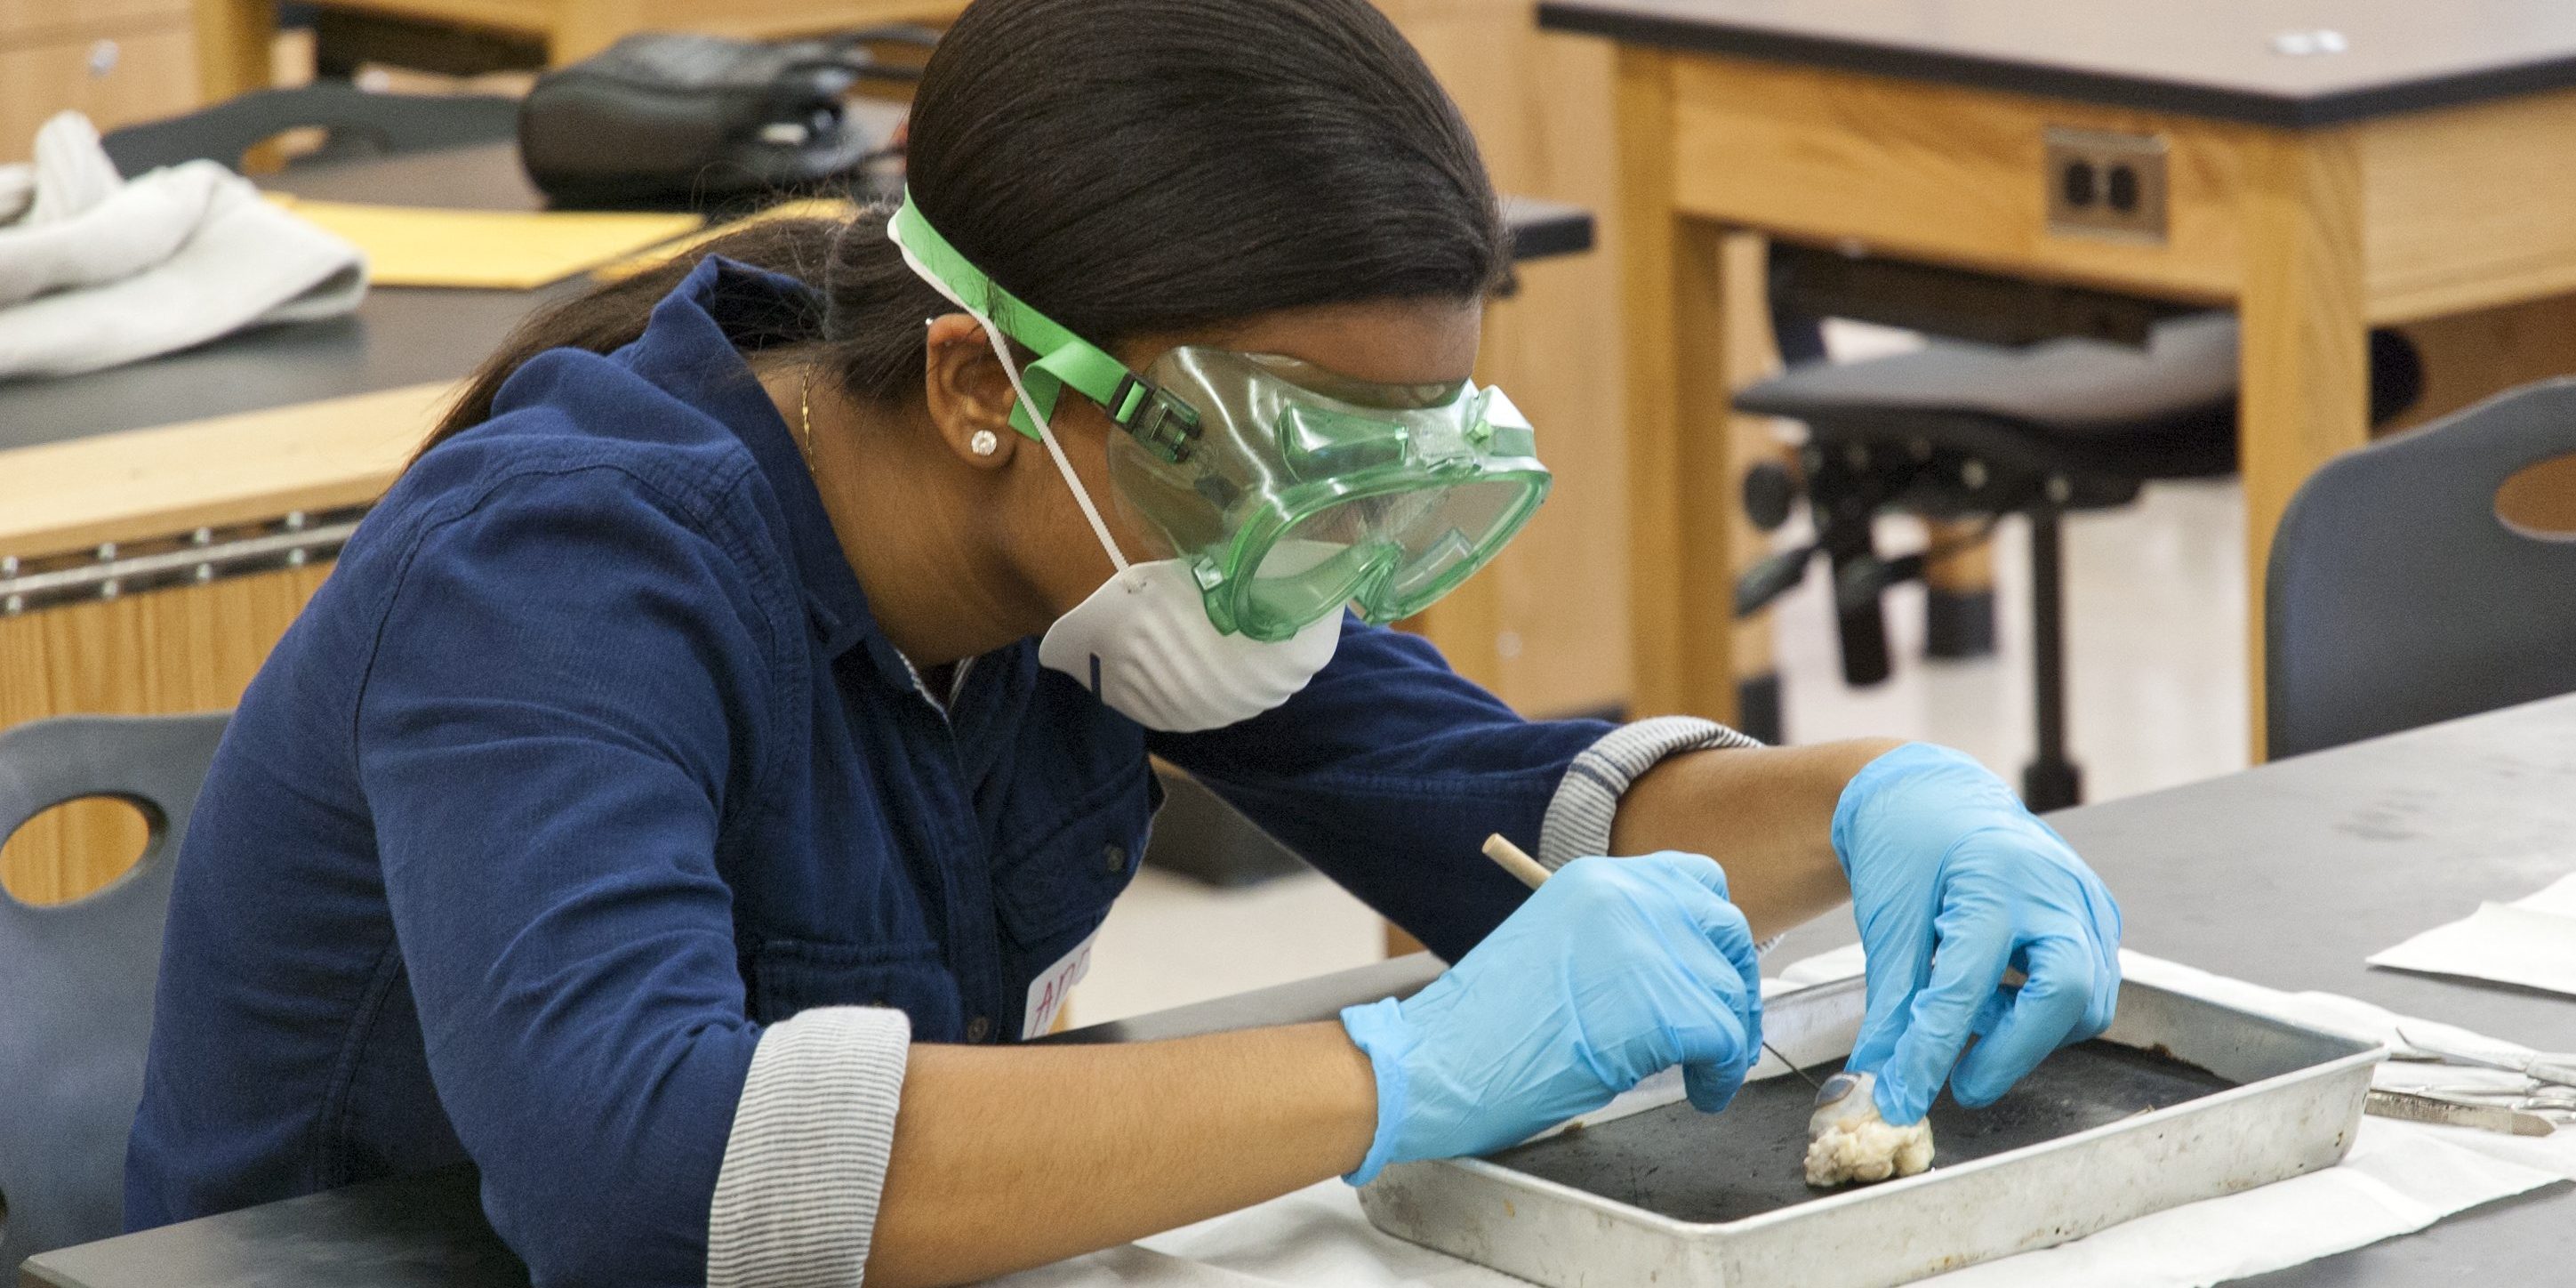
[1587, 798]
[796, 1199]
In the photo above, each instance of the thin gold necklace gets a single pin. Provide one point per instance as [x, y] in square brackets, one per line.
[805, 414]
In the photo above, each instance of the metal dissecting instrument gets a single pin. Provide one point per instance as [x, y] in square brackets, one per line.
[2541, 1083]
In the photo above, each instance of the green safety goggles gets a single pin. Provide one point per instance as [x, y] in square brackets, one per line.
[1289, 491]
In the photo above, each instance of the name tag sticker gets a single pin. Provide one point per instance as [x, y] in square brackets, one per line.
[1048, 991]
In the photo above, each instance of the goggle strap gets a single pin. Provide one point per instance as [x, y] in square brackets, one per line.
[1038, 429]
[1040, 398]
[1128, 399]
[1077, 365]
[905, 233]
[1065, 358]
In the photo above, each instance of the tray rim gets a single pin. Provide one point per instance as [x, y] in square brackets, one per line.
[1610, 1208]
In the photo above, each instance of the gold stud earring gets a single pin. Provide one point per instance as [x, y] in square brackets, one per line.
[983, 443]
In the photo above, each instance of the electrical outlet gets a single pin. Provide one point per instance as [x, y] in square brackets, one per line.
[2105, 184]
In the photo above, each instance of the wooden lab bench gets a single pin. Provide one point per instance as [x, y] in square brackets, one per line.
[2395, 164]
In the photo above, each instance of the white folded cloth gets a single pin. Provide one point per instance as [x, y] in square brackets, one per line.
[97, 270]
[2531, 942]
[17, 191]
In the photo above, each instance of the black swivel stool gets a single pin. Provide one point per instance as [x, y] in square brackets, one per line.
[1976, 431]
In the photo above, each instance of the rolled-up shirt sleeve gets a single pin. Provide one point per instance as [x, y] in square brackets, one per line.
[796, 1203]
[1586, 803]
[550, 780]
[1388, 771]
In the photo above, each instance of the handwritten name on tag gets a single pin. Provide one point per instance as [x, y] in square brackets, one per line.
[1053, 985]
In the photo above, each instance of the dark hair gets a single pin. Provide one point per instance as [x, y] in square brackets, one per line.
[1125, 167]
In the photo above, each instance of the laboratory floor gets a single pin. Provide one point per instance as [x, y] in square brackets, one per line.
[2156, 623]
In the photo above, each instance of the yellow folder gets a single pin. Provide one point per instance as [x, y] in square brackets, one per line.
[801, 208]
[491, 249]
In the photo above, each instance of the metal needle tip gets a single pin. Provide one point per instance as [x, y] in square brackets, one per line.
[1793, 1066]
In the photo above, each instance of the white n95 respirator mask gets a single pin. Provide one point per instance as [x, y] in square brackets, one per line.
[1142, 642]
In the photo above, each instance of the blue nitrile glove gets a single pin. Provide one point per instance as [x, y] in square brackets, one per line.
[1614, 970]
[1953, 881]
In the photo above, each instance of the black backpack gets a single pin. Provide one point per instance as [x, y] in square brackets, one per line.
[667, 118]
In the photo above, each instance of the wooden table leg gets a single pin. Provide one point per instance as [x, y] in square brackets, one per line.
[233, 39]
[1752, 354]
[1681, 455]
[2305, 365]
[1754, 661]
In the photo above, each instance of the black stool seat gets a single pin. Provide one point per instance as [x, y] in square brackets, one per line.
[392, 123]
[1979, 432]
[2083, 409]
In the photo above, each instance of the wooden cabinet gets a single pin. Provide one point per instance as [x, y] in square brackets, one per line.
[117, 60]
[28, 21]
[192, 648]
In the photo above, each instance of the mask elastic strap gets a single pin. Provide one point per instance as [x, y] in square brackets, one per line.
[1046, 433]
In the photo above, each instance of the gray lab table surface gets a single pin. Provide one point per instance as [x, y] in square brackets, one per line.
[2218, 58]
[2287, 875]
[409, 335]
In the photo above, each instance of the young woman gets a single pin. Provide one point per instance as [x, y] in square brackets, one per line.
[718, 749]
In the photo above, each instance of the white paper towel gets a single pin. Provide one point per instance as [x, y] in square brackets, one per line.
[2399, 1177]
[2530, 941]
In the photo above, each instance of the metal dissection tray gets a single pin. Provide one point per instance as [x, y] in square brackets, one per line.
[2182, 1100]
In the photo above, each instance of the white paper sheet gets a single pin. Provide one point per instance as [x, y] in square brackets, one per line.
[1315, 1236]
[2530, 941]
[2399, 1177]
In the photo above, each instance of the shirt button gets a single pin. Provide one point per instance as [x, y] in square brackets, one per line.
[1113, 859]
[979, 1028]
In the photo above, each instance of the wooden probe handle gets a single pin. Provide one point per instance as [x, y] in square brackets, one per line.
[1515, 860]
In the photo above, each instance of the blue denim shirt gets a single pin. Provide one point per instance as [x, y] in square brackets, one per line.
[588, 762]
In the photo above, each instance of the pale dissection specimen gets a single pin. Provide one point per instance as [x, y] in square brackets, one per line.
[1847, 1142]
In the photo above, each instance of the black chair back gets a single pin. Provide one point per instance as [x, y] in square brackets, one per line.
[391, 123]
[76, 979]
[2397, 597]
